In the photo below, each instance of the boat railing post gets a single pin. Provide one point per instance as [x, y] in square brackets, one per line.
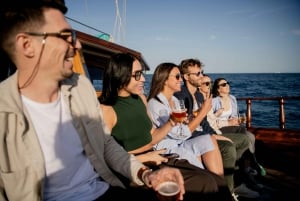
[281, 113]
[248, 115]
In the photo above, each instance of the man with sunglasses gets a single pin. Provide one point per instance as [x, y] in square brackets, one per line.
[53, 145]
[192, 72]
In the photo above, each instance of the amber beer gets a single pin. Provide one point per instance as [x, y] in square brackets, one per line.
[178, 116]
[242, 118]
[195, 112]
[168, 191]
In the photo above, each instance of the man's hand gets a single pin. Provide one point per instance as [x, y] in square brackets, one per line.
[207, 105]
[166, 174]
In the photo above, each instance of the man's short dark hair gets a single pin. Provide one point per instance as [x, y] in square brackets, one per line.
[23, 4]
[22, 15]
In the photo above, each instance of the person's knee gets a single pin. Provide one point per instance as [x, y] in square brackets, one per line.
[201, 181]
[245, 141]
[229, 154]
[251, 136]
[227, 149]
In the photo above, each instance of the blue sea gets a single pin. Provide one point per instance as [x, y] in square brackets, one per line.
[264, 113]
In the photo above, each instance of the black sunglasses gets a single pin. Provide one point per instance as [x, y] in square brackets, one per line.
[206, 83]
[66, 35]
[137, 75]
[224, 84]
[197, 74]
[177, 76]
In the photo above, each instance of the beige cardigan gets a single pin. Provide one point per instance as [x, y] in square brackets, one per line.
[22, 168]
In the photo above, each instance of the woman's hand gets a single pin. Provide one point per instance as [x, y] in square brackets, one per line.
[233, 122]
[221, 137]
[156, 157]
[152, 157]
[219, 112]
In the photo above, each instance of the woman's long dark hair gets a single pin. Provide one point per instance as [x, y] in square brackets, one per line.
[215, 92]
[116, 76]
[159, 77]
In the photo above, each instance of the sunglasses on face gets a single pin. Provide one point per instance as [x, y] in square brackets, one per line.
[177, 76]
[206, 83]
[137, 75]
[67, 35]
[224, 84]
[197, 74]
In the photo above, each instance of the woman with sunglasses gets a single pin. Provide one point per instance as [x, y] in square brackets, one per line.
[240, 140]
[127, 119]
[225, 107]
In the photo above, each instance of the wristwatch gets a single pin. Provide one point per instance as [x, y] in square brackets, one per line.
[142, 175]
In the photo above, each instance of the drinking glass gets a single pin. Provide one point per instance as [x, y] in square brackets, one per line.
[179, 114]
[168, 191]
[242, 118]
[196, 110]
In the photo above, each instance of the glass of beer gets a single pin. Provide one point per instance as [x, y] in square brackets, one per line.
[179, 114]
[168, 191]
[196, 110]
[242, 118]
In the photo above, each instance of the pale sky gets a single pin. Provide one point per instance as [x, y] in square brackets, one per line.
[228, 36]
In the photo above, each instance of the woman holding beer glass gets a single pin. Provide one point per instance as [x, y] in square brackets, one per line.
[166, 80]
[178, 114]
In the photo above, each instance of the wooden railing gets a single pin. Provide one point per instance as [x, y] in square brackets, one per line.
[280, 100]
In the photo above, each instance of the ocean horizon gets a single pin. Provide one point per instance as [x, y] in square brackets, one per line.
[249, 85]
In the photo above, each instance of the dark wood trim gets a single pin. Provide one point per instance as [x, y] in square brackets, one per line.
[98, 51]
[281, 101]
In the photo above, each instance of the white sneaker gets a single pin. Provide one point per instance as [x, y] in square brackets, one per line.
[243, 191]
[234, 197]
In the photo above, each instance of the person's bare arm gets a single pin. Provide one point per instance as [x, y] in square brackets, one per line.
[158, 133]
[110, 117]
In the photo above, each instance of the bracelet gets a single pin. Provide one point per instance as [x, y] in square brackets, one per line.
[142, 173]
[172, 122]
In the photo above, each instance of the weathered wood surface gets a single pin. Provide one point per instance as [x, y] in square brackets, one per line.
[278, 150]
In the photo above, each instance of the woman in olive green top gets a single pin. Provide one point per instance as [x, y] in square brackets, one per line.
[127, 118]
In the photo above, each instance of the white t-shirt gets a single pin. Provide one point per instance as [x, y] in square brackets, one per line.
[69, 173]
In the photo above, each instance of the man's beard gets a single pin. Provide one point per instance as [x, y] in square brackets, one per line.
[194, 83]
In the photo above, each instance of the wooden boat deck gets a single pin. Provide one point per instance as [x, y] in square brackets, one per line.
[278, 151]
